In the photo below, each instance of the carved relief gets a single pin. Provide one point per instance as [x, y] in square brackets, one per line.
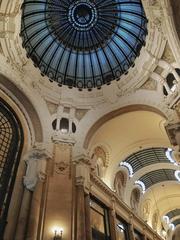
[168, 55]
[80, 113]
[135, 199]
[155, 220]
[146, 210]
[150, 84]
[99, 161]
[52, 107]
[36, 167]
[173, 131]
[120, 183]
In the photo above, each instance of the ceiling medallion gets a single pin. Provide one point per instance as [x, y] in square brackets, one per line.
[84, 43]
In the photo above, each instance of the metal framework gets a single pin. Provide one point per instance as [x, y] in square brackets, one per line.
[11, 141]
[83, 43]
[157, 176]
[173, 213]
[147, 157]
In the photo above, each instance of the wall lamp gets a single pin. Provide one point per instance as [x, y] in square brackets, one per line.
[58, 234]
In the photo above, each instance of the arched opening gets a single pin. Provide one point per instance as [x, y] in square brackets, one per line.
[11, 143]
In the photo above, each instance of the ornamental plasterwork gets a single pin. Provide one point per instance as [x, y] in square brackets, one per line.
[159, 70]
[168, 55]
[80, 113]
[97, 97]
[52, 107]
[150, 84]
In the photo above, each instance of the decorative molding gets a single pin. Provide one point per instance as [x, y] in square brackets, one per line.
[150, 84]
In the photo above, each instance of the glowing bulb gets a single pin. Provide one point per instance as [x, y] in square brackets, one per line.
[129, 167]
[57, 230]
[64, 130]
[177, 175]
[169, 155]
[166, 219]
[142, 185]
[172, 226]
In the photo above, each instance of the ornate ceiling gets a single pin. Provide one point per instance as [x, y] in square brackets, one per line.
[83, 44]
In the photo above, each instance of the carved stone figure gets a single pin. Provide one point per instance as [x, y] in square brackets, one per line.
[146, 210]
[120, 183]
[135, 199]
[155, 221]
[36, 167]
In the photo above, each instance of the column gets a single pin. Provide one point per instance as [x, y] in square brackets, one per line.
[112, 223]
[30, 207]
[80, 200]
[34, 216]
[131, 229]
[58, 204]
[131, 232]
[87, 217]
[83, 228]
[112, 220]
[23, 216]
[144, 233]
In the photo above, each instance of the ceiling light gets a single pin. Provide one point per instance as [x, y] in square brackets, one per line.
[142, 185]
[129, 167]
[177, 175]
[169, 152]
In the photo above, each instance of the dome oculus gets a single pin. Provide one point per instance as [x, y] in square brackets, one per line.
[84, 43]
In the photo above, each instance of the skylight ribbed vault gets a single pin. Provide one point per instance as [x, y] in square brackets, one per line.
[83, 43]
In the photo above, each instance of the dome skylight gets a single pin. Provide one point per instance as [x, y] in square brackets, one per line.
[83, 43]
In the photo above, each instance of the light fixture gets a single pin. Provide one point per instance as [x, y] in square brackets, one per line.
[129, 167]
[142, 185]
[172, 226]
[177, 175]
[166, 219]
[169, 152]
[58, 233]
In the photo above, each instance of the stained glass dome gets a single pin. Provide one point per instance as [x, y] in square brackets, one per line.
[83, 43]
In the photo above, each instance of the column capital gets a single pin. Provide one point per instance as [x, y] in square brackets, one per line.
[82, 159]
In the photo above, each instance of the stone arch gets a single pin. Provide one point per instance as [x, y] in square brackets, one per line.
[11, 145]
[13, 94]
[116, 113]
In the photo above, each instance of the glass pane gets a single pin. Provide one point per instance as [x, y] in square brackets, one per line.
[121, 230]
[138, 236]
[97, 225]
[99, 222]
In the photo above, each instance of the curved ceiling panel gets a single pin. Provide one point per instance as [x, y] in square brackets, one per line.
[83, 43]
[173, 213]
[176, 222]
[157, 176]
[147, 157]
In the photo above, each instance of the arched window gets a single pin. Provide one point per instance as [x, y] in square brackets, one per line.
[171, 82]
[11, 141]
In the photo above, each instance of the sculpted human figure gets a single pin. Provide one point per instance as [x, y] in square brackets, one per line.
[36, 167]
[135, 198]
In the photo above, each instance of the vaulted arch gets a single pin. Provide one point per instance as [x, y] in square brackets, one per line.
[11, 143]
